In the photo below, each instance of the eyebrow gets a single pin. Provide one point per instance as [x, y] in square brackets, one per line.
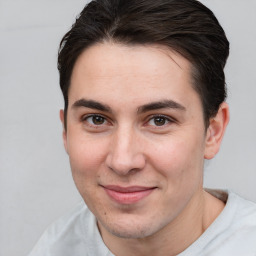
[91, 104]
[161, 104]
[142, 109]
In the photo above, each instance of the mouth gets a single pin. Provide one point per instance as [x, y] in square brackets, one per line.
[128, 195]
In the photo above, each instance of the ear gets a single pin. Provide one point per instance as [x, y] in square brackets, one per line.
[216, 130]
[64, 132]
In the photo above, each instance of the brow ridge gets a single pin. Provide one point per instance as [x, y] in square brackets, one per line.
[91, 104]
[160, 105]
[142, 109]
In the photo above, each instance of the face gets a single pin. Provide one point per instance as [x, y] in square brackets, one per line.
[135, 137]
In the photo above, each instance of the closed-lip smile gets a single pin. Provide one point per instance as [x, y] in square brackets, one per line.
[127, 195]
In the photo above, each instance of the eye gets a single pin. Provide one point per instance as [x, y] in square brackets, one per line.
[159, 121]
[95, 120]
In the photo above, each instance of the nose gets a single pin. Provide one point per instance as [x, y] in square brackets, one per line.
[125, 153]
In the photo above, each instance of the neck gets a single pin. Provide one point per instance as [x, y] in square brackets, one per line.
[174, 238]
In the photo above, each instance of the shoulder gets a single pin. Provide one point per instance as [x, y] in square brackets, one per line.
[72, 219]
[241, 210]
[236, 208]
[75, 233]
[239, 219]
[232, 233]
[242, 214]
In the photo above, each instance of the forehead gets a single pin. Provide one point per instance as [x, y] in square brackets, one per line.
[150, 71]
[116, 59]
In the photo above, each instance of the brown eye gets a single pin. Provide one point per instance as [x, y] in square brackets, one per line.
[95, 120]
[159, 121]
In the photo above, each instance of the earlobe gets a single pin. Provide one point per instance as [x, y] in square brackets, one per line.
[64, 132]
[216, 130]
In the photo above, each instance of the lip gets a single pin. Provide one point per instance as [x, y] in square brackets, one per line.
[128, 195]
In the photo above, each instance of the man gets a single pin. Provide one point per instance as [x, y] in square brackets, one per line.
[144, 92]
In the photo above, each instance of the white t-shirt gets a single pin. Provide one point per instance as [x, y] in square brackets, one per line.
[233, 233]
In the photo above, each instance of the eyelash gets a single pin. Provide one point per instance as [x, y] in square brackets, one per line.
[167, 120]
[86, 117]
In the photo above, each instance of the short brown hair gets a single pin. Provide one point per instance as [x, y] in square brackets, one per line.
[185, 26]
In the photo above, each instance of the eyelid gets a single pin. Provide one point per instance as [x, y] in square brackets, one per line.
[108, 121]
[83, 117]
[171, 119]
[168, 118]
[86, 116]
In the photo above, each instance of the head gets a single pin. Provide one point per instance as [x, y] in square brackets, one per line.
[184, 26]
[143, 85]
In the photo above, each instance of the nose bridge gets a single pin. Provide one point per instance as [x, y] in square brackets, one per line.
[125, 152]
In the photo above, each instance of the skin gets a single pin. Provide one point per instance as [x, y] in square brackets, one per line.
[115, 137]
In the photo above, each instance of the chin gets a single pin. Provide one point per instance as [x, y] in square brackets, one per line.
[130, 229]
[132, 233]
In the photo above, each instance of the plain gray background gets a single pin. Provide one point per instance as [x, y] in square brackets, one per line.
[35, 181]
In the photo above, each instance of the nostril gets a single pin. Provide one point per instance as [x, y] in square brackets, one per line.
[127, 166]
[120, 169]
[125, 154]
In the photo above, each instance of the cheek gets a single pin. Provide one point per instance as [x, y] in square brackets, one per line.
[179, 160]
[86, 160]
[86, 157]
[180, 165]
